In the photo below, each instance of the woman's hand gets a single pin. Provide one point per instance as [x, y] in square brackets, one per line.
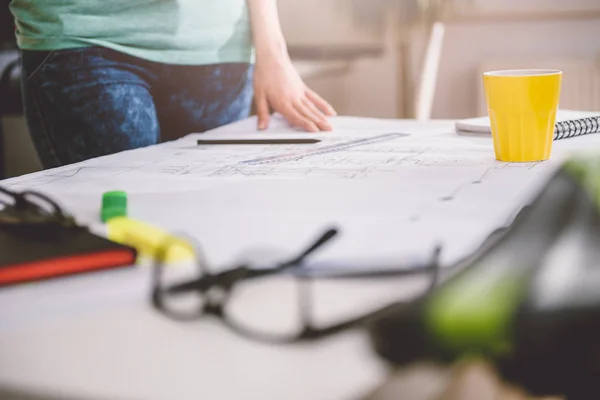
[278, 86]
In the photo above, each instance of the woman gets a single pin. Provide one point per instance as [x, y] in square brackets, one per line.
[103, 76]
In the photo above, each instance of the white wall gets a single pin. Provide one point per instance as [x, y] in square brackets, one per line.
[469, 45]
[324, 22]
[373, 87]
[368, 86]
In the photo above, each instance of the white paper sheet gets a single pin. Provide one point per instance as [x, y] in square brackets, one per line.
[175, 165]
[392, 199]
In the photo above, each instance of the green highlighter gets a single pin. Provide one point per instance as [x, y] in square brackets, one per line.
[114, 204]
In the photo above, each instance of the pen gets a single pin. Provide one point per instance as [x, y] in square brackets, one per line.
[259, 141]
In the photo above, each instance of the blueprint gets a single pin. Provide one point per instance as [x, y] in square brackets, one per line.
[173, 164]
[425, 185]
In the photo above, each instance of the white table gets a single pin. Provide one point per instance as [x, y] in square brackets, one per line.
[96, 335]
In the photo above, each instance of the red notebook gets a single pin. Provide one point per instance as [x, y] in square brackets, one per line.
[29, 255]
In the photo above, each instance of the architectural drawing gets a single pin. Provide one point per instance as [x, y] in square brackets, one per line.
[367, 155]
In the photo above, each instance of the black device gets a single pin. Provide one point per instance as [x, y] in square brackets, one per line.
[39, 241]
[259, 141]
[529, 302]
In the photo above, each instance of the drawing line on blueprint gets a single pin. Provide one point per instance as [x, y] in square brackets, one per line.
[57, 176]
[416, 217]
[348, 173]
[319, 150]
[453, 194]
[209, 164]
[71, 175]
[344, 167]
[340, 164]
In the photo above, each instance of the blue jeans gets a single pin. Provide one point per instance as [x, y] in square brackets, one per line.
[92, 101]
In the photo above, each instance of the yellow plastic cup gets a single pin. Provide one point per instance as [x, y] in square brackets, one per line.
[522, 107]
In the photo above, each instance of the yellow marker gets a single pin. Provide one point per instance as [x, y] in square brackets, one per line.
[147, 239]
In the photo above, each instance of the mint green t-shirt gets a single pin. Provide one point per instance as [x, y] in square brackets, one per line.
[192, 32]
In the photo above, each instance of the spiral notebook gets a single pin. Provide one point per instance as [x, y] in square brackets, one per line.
[568, 124]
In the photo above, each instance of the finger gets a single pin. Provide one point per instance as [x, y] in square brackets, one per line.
[317, 100]
[310, 111]
[262, 112]
[297, 119]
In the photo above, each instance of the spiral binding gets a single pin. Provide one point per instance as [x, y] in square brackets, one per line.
[576, 127]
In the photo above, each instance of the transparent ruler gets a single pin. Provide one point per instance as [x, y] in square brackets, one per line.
[314, 151]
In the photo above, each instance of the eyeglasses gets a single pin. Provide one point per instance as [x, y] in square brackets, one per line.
[27, 208]
[237, 296]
